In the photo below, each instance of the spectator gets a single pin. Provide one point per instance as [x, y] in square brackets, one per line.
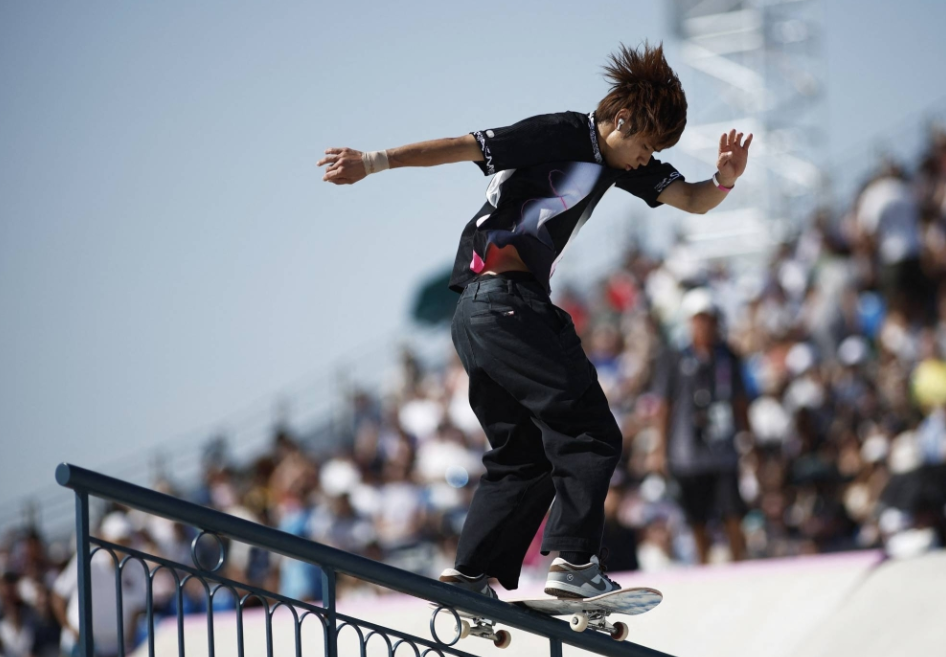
[115, 529]
[17, 625]
[888, 225]
[703, 408]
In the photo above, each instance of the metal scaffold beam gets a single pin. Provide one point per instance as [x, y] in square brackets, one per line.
[754, 65]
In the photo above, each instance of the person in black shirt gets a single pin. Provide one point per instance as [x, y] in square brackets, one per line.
[703, 408]
[554, 440]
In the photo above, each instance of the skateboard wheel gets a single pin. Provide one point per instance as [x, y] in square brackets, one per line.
[620, 631]
[464, 629]
[503, 639]
[579, 622]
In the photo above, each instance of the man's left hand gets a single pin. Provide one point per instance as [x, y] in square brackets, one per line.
[733, 155]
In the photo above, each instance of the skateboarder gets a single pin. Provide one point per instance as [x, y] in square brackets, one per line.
[554, 440]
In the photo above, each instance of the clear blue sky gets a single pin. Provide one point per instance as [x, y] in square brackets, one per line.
[168, 253]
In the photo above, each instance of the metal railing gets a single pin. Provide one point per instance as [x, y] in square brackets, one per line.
[331, 561]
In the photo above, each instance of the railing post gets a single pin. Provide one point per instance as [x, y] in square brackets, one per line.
[328, 602]
[555, 647]
[84, 575]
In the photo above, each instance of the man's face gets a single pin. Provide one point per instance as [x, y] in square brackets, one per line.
[627, 152]
[703, 328]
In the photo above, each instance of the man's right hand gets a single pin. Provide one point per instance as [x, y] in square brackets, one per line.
[344, 166]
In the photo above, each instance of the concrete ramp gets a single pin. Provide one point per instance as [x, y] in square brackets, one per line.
[844, 605]
[899, 610]
[756, 608]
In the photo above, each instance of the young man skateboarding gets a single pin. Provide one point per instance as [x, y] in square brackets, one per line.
[553, 438]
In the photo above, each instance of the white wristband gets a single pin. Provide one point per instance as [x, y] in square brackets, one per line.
[375, 161]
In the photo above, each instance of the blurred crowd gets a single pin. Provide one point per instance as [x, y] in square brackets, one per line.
[841, 337]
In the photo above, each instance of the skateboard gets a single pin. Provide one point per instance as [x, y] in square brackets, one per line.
[585, 613]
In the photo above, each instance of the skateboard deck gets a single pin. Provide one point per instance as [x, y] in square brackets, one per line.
[630, 601]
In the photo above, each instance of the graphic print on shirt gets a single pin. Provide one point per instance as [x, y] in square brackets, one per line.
[566, 185]
[571, 188]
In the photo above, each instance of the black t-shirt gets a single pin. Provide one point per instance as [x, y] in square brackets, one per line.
[550, 176]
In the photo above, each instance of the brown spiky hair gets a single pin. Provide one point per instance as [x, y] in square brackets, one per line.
[643, 82]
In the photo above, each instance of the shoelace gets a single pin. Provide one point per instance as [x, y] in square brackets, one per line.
[603, 565]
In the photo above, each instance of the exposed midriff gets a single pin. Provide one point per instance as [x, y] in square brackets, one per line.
[502, 259]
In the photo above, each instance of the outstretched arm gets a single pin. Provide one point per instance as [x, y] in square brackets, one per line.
[346, 165]
[701, 197]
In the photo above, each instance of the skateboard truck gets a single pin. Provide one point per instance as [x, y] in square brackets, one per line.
[470, 625]
[485, 629]
[598, 620]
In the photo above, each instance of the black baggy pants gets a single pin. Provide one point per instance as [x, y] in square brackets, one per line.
[551, 432]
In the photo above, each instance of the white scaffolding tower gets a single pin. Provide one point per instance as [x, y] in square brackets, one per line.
[753, 65]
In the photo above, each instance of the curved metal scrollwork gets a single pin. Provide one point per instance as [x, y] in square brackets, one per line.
[411, 644]
[213, 585]
[220, 560]
[431, 650]
[385, 637]
[394, 640]
[361, 636]
[433, 625]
